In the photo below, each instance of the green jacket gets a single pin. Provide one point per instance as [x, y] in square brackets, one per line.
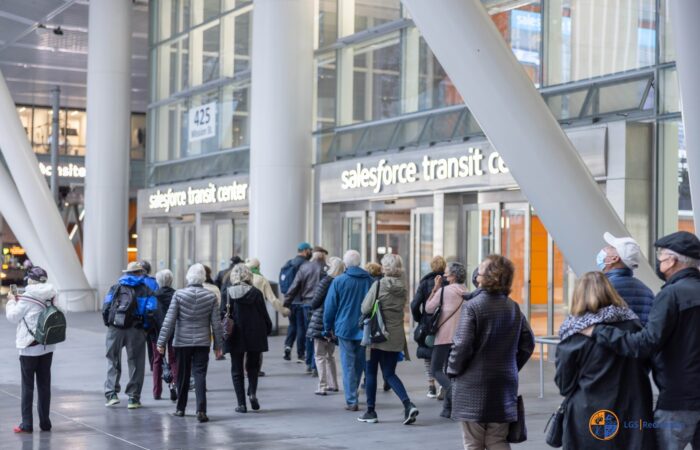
[392, 302]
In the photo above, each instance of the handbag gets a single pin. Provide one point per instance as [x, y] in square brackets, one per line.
[435, 324]
[227, 322]
[517, 431]
[373, 328]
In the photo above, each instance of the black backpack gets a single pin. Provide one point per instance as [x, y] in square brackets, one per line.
[50, 325]
[122, 310]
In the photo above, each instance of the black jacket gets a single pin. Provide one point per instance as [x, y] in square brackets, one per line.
[301, 291]
[598, 386]
[164, 295]
[493, 341]
[252, 323]
[425, 287]
[315, 329]
[671, 337]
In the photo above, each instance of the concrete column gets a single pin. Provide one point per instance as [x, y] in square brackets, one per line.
[686, 35]
[107, 156]
[55, 133]
[280, 153]
[74, 292]
[518, 123]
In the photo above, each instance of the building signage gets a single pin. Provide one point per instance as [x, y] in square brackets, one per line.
[64, 170]
[202, 122]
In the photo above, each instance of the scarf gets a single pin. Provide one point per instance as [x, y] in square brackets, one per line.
[609, 314]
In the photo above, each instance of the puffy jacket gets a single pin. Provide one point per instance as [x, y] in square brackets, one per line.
[192, 316]
[151, 283]
[146, 303]
[637, 295]
[302, 288]
[342, 305]
[252, 324]
[19, 309]
[671, 338]
[425, 287]
[164, 296]
[392, 301]
[315, 329]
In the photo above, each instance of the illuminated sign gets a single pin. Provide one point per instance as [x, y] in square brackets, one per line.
[474, 164]
[66, 170]
[193, 196]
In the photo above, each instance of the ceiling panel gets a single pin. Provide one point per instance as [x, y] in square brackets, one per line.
[9, 29]
[71, 41]
[30, 9]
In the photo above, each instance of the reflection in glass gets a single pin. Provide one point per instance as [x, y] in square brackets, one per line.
[327, 22]
[522, 30]
[435, 89]
[326, 89]
[513, 236]
[372, 13]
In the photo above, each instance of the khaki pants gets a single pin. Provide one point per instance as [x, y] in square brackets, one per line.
[325, 363]
[480, 436]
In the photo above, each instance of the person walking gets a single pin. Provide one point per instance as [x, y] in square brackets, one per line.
[425, 288]
[151, 336]
[252, 326]
[391, 295]
[211, 286]
[163, 296]
[192, 317]
[128, 312]
[618, 260]
[448, 295]
[324, 345]
[263, 285]
[34, 359]
[296, 319]
[341, 318]
[493, 341]
[589, 375]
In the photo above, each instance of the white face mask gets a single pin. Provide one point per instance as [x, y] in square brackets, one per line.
[600, 260]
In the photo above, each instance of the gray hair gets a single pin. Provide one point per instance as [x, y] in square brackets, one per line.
[458, 271]
[336, 266]
[392, 265]
[316, 256]
[352, 258]
[164, 278]
[686, 261]
[196, 274]
[241, 274]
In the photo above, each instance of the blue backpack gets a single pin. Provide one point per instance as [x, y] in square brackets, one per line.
[287, 274]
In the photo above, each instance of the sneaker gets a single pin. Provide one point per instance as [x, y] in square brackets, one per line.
[241, 409]
[333, 390]
[287, 354]
[353, 407]
[22, 429]
[320, 392]
[133, 404]
[441, 393]
[202, 417]
[112, 400]
[173, 394]
[446, 413]
[254, 403]
[369, 417]
[179, 413]
[410, 413]
[314, 373]
[309, 370]
[261, 373]
[301, 360]
[432, 392]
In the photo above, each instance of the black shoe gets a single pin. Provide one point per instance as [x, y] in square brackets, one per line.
[387, 388]
[410, 413]
[314, 373]
[446, 413]
[202, 417]
[179, 413]
[45, 427]
[173, 394]
[254, 403]
[261, 373]
[241, 409]
[369, 417]
[309, 370]
[287, 354]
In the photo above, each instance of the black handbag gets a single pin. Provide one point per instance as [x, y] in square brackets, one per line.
[434, 323]
[517, 431]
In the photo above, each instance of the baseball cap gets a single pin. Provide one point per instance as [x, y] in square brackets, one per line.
[304, 246]
[627, 248]
[134, 266]
[681, 242]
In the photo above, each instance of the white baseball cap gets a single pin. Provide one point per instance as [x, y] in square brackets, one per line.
[627, 248]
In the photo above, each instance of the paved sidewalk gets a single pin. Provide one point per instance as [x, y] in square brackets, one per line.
[291, 418]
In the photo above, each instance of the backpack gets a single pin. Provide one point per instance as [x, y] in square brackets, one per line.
[50, 325]
[287, 274]
[122, 310]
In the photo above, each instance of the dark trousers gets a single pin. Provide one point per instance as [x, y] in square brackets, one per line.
[39, 367]
[291, 329]
[308, 342]
[238, 371]
[387, 361]
[297, 330]
[192, 361]
[441, 354]
[158, 361]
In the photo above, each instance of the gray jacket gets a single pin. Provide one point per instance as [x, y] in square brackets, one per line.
[192, 315]
[302, 289]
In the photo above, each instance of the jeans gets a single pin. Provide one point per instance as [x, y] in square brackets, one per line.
[39, 367]
[238, 372]
[676, 429]
[387, 361]
[158, 361]
[192, 360]
[325, 362]
[309, 342]
[291, 330]
[134, 339]
[441, 354]
[352, 359]
[297, 330]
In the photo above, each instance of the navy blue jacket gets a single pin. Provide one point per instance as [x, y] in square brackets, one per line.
[341, 312]
[637, 295]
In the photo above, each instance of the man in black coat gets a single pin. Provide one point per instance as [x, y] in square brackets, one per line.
[672, 338]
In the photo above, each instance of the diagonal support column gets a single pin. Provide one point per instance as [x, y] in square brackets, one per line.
[686, 35]
[518, 123]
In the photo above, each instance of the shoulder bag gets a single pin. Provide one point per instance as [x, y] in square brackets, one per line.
[373, 328]
[227, 321]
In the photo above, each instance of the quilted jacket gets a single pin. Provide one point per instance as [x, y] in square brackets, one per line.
[193, 315]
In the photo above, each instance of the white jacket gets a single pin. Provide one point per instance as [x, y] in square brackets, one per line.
[18, 309]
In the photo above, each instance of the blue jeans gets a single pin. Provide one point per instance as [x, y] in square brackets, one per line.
[352, 359]
[296, 330]
[291, 330]
[676, 429]
[310, 361]
[387, 361]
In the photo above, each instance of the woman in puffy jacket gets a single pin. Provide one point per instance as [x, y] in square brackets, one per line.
[324, 347]
[193, 316]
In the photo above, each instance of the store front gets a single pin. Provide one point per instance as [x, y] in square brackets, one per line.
[460, 201]
[203, 221]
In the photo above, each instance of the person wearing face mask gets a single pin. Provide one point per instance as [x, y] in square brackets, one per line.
[671, 337]
[617, 261]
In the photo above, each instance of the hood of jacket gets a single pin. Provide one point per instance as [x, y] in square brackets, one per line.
[357, 272]
[239, 292]
[41, 291]
[131, 280]
[394, 286]
[609, 314]
[430, 276]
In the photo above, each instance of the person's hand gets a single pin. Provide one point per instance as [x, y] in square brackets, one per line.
[218, 353]
[286, 312]
[161, 350]
[438, 281]
[588, 331]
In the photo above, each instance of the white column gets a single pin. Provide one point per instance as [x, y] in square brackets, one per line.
[518, 123]
[107, 155]
[686, 35]
[280, 153]
[74, 292]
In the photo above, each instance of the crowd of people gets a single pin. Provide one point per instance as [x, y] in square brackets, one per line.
[473, 342]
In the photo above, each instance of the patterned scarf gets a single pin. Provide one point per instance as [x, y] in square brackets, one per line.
[609, 314]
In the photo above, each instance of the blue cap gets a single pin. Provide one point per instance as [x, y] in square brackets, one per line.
[304, 246]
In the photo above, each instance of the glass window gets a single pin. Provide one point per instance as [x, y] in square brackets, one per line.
[323, 145]
[617, 97]
[567, 105]
[167, 12]
[41, 136]
[203, 10]
[409, 132]
[243, 42]
[195, 145]
[670, 91]
[435, 89]
[326, 89]
[372, 13]
[378, 137]
[74, 133]
[441, 127]
[204, 48]
[25, 116]
[327, 22]
[138, 136]
[675, 207]
[235, 129]
[667, 50]
[168, 131]
[345, 142]
[589, 38]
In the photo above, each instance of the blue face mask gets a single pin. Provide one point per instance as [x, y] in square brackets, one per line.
[600, 260]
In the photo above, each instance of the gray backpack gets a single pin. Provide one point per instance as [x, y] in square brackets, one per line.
[51, 324]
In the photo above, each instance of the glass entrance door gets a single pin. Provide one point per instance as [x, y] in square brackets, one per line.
[515, 245]
[355, 233]
[181, 251]
[482, 239]
[422, 245]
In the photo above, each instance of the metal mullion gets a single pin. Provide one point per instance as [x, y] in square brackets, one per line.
[650, 81]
